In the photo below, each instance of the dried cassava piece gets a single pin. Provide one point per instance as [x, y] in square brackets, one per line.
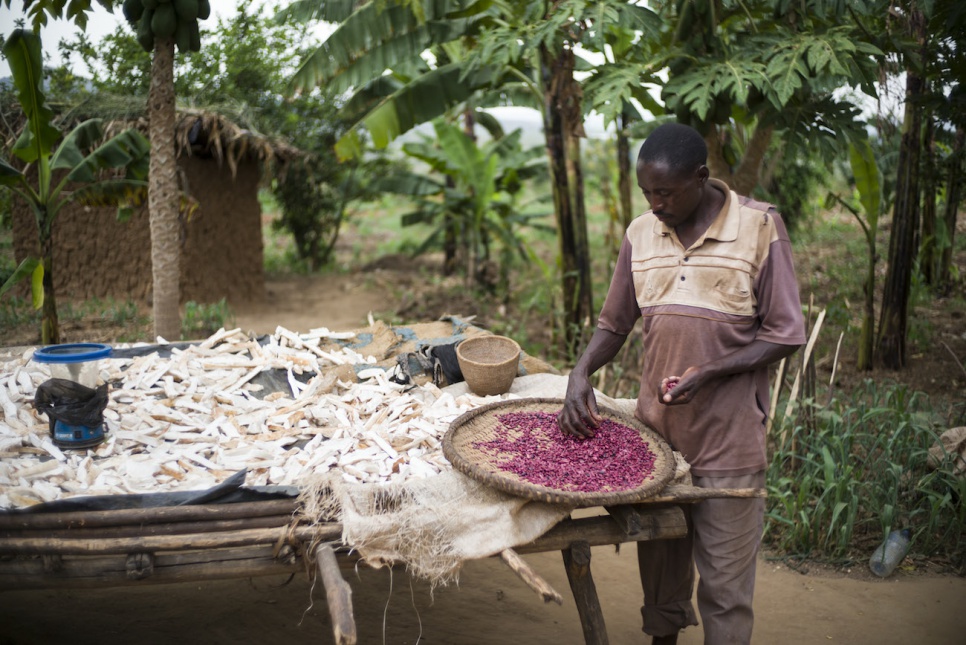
[188, 421]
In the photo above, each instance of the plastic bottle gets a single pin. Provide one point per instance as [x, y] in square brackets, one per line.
[890, 553]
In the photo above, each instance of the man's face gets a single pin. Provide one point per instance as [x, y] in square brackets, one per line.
[674, 195]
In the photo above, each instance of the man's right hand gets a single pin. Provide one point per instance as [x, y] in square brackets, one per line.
[579, 416]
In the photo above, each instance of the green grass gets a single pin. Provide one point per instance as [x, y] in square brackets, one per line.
[201, 320]
[837, 488]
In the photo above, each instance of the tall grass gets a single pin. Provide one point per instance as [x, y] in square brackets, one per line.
[861, 469]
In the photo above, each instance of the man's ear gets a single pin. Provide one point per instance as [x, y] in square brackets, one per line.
[702, 174]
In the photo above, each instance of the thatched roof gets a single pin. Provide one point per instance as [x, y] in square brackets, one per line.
[218, 132]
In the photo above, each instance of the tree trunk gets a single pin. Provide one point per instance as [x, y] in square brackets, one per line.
[562, 124]
[954, 193]
[891, 346]
[49, 324]
[163, 194]
[867, 334]
[744, 178]
[929, 249]
[624, 169]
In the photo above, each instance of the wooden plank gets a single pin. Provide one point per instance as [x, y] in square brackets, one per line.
[185, 542]
[533, 579]
[156, 515]
[627, 517]
[136, 530]
[666, 523]
[338, 595]
[577, 563]
[98, 572]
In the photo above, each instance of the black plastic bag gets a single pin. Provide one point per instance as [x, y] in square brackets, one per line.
[71, 403]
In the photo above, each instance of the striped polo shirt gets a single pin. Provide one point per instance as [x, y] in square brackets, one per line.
[733, 285]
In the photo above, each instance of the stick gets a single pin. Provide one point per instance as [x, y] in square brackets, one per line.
[533, 579]
[338, 595]
[793, 395]
[675, 493]
[775, 392]
[835, 365]
[954, 356]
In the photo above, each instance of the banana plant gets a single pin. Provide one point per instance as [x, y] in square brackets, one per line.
[868, 184]
[477, 187]
[80, 167]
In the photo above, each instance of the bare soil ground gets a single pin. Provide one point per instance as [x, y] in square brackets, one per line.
[489, 606]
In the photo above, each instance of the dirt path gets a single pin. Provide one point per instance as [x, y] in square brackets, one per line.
[301, 303]
[490, 606]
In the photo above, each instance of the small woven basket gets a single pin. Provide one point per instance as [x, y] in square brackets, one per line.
[489, 363]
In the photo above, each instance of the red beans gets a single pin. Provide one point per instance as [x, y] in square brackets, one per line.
[616, 458]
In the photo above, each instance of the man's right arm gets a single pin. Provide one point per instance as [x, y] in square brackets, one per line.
[580, 416]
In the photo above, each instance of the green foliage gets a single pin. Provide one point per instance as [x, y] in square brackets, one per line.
[201, 320]
[835, 492]
[98, 172]
[475, 201]
[40, 12]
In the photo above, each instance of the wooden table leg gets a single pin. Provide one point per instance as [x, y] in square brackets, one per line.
[338, 595]
[577, 562]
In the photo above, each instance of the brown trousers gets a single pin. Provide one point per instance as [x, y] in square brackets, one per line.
[722, 541]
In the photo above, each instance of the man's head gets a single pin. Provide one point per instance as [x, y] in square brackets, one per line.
[672, 173]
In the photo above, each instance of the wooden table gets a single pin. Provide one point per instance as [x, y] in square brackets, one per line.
[95, 549]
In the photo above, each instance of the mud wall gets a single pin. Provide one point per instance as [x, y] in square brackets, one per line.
[95, 256]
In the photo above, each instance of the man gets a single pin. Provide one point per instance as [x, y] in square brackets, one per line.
[710, 273]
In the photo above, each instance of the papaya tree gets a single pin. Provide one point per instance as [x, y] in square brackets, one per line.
[73, 168]
[161, 25]
[742, 71]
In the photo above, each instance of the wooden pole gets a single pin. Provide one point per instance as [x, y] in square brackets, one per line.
[533, 579]
[577, 562]
[338, 594]
[156, 515]
[139, 530]
[183, 542]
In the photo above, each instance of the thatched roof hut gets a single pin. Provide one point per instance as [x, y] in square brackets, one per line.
[221, 166]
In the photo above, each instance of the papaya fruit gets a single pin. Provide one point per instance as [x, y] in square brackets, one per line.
[150, 4]
[195, 35]
[132, 10]
[182, 37]
[145, 37]
[164, 22]
[187, 10]
[204, 9]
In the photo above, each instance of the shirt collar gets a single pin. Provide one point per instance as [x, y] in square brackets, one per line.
[724, 228]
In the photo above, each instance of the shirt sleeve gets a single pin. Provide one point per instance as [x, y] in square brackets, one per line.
[779, 305]
[620, 311]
